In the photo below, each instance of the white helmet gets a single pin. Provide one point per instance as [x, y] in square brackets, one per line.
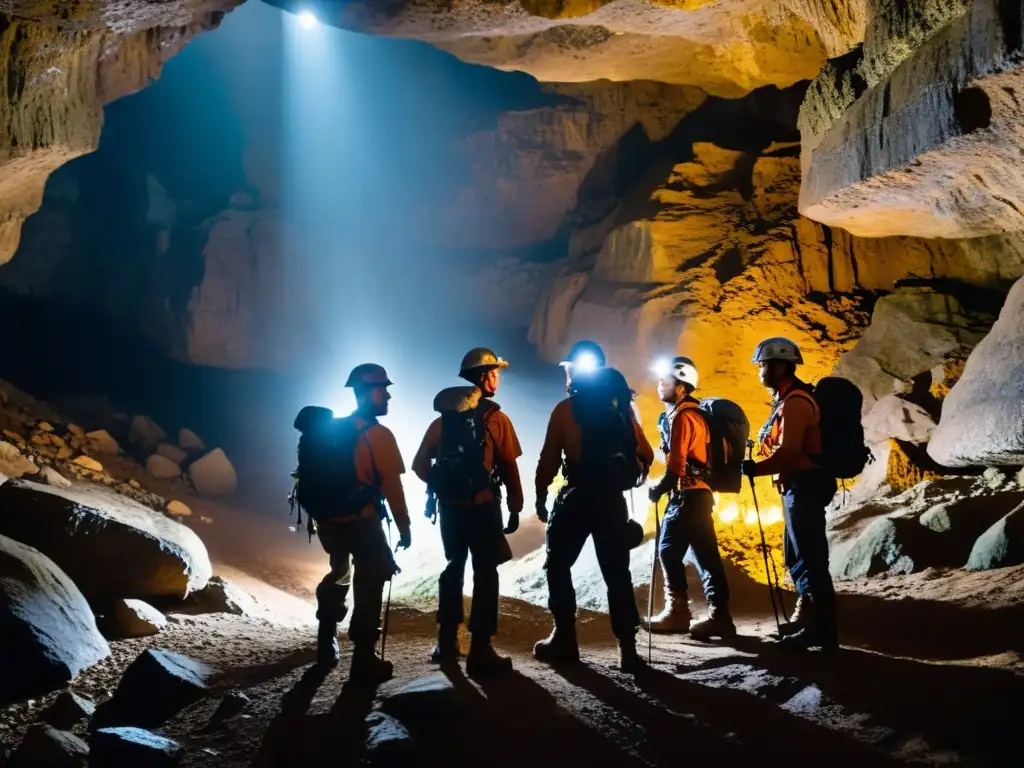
[681, 369]
[777, 348]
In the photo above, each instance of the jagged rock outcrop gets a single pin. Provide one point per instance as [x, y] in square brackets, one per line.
[922, 135]
[727, 49]
[62, 62]
[982, 420]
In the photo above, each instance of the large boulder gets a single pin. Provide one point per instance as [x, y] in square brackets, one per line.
[46, 747]
[1001, 545]
[145, 432]
[103, 442]
[213, 475]
[121, 747]
[912, 331]
[155, 687]
[131, 618]
[49, 632]
[172, 452]
[13, 463]
[219, 596]
[982, 421]
[109, 545]
[68, 710]
[161, 467]
[894, 417]
[190, 441]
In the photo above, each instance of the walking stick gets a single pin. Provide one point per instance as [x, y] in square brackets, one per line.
[387, 604]
[764, 547]
[654, 578]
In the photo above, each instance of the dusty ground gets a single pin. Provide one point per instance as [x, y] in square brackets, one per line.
[931, 671]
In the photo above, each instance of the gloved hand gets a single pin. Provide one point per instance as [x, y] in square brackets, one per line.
[513, 522]
[404, 539]
[542, 511]
[748, 467]
[654, 493]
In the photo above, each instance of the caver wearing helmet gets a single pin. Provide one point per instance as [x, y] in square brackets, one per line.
[370, 383]
[789, 441]
[466, 456]
[688, 523]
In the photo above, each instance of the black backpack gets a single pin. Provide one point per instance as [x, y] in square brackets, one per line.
[728, 431]
[843, 452]
[458, 471]
[326, 485]
[601, 405]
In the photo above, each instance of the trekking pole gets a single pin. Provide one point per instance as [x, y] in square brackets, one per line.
[387, 604]
[654, 579]
[764, 544]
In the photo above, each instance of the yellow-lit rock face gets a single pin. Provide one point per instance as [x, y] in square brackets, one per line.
[62, 62]
[727, 48]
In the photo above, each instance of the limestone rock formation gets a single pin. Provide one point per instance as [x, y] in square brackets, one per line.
[1001, 545]
[190, 441]
[219, 596]
[131, 618]
[982, 420]
[114, 747]
[213, 475]
[172, 452]
[49, 631]
[63, 62]
[46, 747]
[727, 49]
[930, 147]
[145, 432]
[161, 467]
[155, 556]
[155, 687]
[68, 710]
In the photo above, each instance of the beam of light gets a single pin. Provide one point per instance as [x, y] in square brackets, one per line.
[307, 20]
[661, 368]
[585, 362]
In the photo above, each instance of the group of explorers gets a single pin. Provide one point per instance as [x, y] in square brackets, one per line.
[349, 467]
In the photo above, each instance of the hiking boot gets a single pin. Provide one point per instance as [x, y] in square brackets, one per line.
[368, 668]
[674, 617]
[560, 647]
[629, 660]
[446, 651]
[483, 660]
[818, 630]
[798, 619]
[717, 624]
[328, 654]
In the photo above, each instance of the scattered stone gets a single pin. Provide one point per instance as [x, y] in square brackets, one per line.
[53, 478]
[205, 519]
[13, 463]
[68, 709]
[1001, 545]
[89, 463]
[213, 475]
[190, 441]
[219, 596]
[982, 420]
[162, 468]
[429, 698]
[388, 743]
[233, 703]
[154, 555]
[172, 452]
[49, 632]
[103, 442]
[155, 687]
[131, 618]
[77, 431]
[46, 747]
[145, 432]
[122, 747]
[65, 453]
[40, 439]
[45, 426]
[15, 437]
[994, 478]
[881, 548]
[936, 518]
[135, 484]
[177, 508]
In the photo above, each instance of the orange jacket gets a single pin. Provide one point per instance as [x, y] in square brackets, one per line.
[794, 435]
[564, 438]
[501, 449]
[689, 437]
[378, 461]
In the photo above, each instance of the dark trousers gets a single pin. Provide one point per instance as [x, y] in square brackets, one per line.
[471, 530]
[804, 498]
[688, 524]
[575, 516]
[360, 558]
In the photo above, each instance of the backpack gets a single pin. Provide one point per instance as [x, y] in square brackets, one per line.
[602, 407]
[458, 471]
[843, 452]
[325, 479]
[728, 431]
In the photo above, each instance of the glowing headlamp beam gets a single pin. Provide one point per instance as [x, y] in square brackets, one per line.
[585, 362]
[307, 20]
[661, 368]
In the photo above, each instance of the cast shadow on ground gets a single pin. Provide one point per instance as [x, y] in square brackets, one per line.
[973, 711]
